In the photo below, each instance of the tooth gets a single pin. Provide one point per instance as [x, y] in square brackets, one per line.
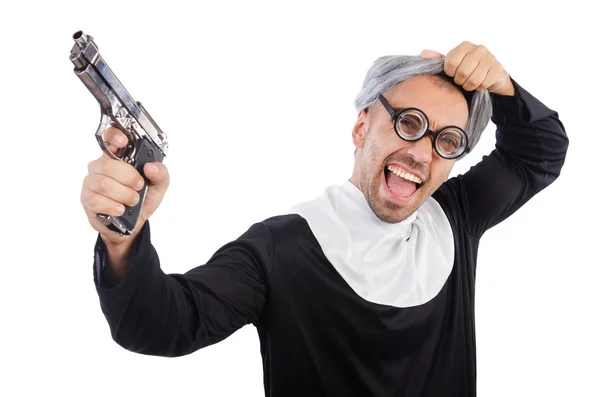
[405, 175]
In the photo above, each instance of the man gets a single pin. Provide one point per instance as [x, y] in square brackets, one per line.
[367, 290]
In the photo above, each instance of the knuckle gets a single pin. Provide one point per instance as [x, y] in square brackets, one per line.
[450, 65]
[86, 181]
[95, 207]
[89, 200]
[104, 184]
[135, 197]
[103, 167]
[478, 76]
[83, 197]
[92, 166]
[132, 180]
[461, 74]
[451, 62]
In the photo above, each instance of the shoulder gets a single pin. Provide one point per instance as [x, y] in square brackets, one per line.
[285, 227]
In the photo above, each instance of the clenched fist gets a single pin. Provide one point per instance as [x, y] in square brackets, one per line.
[475, 68]
[111, 184]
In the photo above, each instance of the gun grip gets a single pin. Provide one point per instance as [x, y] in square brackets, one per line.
[126, 223]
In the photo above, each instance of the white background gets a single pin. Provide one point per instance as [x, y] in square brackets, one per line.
[257, 101]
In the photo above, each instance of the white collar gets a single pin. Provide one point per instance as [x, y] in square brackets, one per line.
[399, 264]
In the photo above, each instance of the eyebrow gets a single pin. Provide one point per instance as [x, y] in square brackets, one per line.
[399, 110]
[387, 106]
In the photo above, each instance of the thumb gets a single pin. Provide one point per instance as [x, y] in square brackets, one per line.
[157, 173]
[430, 54]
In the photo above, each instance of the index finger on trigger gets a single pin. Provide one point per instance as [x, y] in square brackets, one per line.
[115, 139]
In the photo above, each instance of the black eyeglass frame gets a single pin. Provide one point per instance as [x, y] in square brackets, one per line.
[395, 115]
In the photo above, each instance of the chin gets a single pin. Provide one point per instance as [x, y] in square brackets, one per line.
[390, 207]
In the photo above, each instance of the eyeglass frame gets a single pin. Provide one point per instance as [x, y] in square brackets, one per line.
[395, 115]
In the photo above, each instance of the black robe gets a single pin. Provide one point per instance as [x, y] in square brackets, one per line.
[318, 336]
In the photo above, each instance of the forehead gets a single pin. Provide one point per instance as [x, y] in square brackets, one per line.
[443, 103]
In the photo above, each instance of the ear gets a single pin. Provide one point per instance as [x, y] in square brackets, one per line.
[359, 132]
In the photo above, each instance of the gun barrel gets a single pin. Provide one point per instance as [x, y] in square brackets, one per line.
[81, 39]
[93, 71]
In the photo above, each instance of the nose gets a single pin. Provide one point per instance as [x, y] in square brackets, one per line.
[421, 150]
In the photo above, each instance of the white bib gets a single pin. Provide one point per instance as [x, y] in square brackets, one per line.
[403, 264]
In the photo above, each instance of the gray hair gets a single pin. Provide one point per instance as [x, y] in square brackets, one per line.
[387, 71]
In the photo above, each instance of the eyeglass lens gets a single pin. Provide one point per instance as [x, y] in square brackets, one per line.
[412, 125]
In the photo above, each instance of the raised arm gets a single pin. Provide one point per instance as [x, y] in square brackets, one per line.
[531, 144]
[531, 147]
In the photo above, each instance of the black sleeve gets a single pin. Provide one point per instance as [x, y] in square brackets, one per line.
[152, 313]
[531, 147]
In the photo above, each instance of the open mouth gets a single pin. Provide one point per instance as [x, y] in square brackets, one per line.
[400, 183]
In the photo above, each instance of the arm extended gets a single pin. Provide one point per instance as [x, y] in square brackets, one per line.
[153, 313]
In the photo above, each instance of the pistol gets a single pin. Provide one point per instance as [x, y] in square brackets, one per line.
[147, 142]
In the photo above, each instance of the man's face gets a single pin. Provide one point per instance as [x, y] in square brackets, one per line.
[391, 197]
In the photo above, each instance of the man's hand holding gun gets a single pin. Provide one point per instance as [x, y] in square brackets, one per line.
[127, 183]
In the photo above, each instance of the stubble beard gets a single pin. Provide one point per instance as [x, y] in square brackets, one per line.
[370, 181]
[386, 210]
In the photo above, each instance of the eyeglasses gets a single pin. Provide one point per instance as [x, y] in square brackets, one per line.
[411, 124]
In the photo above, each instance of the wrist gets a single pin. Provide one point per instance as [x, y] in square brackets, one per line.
[119, 257]
[507, 89]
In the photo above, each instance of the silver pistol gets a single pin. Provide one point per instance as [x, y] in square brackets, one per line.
[147, 142]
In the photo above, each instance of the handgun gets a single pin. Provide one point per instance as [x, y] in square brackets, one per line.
[147, 142]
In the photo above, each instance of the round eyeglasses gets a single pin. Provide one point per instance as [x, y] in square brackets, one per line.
[411, 124]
